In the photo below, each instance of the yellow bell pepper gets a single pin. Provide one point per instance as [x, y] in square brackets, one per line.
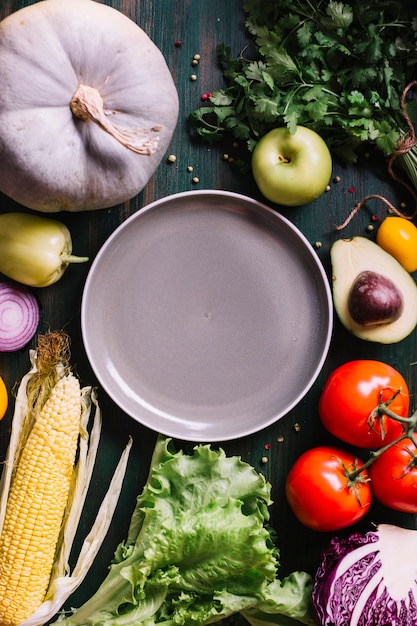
[34, 250]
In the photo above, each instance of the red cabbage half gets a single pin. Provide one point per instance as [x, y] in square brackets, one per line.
[369, 579]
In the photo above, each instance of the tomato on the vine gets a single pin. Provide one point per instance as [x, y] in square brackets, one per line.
[350, 395]
[398, 237]
[321, 493]
[394, 477]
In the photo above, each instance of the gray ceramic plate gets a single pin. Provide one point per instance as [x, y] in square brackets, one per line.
[206, 316]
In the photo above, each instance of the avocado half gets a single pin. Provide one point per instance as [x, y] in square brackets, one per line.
[351, 257]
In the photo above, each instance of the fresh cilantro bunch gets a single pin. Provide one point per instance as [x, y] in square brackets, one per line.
[337, 68]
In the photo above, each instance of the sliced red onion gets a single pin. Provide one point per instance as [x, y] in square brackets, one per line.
[19, 316]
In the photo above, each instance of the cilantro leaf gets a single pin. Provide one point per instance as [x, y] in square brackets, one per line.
[341, 15]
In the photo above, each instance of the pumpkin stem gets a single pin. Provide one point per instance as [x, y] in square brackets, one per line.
[87, 105]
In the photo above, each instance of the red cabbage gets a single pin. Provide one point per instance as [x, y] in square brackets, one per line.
[368, 579]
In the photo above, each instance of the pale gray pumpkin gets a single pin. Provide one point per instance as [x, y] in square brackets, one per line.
[88, 106]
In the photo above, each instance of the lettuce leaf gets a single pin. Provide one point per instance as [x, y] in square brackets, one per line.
[287, 603]
[198, 548]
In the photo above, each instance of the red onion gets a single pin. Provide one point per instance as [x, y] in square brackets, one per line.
[19, 316]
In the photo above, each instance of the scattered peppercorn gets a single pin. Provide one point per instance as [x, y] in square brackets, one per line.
[328, 188]
[336, 179]
[267, 446]
[178, 44]
[317, 244]
[351, 189]
[374, 218]
[297, 427]
[370, 228]
[172, 158]
[189, 168]
[197, 57]
[264, 459]
[193, 77]
[280, 438]
[196, 180]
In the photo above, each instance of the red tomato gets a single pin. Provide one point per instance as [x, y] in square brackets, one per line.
[319, 491]
[394, 477]
[352, 392]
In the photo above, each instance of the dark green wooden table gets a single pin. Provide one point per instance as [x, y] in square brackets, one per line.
[201, 25]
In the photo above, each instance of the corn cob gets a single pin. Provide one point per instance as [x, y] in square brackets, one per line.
[36, 504]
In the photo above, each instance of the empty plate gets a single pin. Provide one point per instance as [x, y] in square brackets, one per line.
[206, 316]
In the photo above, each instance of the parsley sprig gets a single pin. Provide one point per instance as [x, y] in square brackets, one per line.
[337, 68]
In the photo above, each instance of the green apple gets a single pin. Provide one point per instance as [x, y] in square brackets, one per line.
[291, 168]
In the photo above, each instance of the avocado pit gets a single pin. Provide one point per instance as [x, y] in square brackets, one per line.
[374, 299]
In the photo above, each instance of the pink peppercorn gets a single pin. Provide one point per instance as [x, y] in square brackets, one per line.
[178, 44]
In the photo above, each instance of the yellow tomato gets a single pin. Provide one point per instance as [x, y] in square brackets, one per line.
[4, 400]
[398, 237]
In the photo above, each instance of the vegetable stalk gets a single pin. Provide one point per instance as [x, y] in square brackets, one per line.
[87, 105]
[409, 432]
[408, 162]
